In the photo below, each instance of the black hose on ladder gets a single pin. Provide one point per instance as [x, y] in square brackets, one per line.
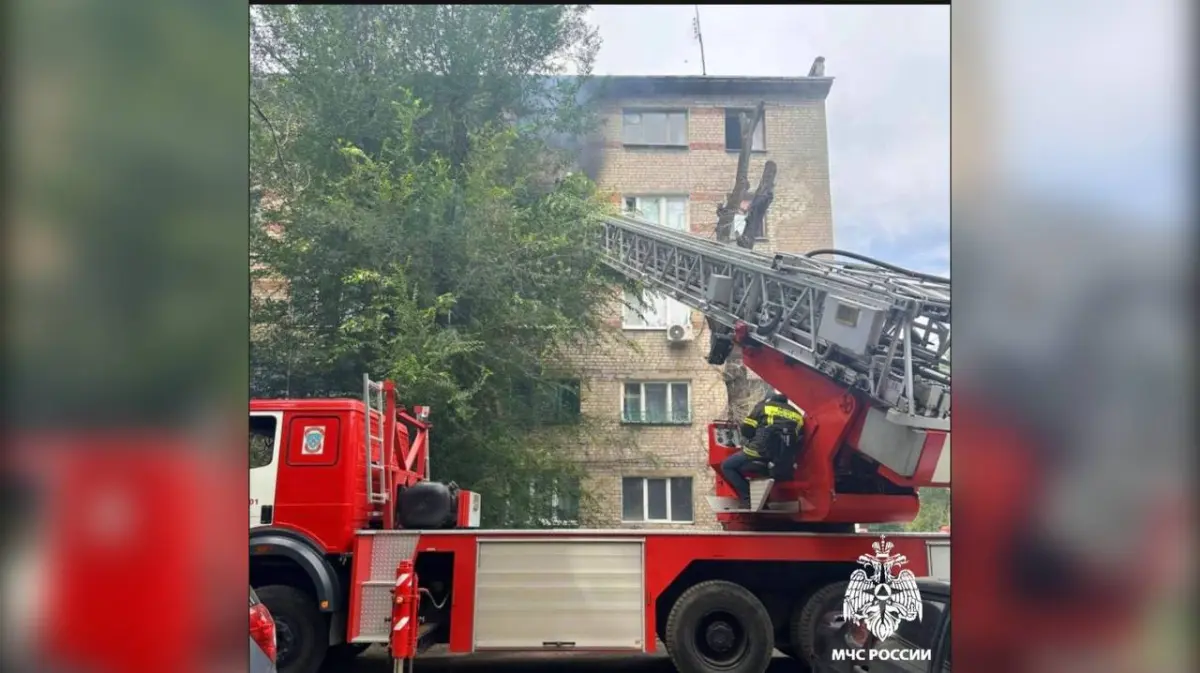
[879, 263]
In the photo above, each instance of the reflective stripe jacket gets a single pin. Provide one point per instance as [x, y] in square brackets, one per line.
[758, 425]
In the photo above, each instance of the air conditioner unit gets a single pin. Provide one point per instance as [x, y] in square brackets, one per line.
[681, 333]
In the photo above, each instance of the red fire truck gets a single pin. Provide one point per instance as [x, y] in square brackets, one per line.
[352, 543]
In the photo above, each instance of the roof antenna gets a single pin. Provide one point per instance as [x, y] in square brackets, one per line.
[700, 39]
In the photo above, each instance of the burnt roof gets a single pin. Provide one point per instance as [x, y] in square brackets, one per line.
[637, 87]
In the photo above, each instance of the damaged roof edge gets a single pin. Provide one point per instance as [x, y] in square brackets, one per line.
[639, 87]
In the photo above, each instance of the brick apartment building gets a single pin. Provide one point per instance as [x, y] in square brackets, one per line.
[669, 154]
[668, 151]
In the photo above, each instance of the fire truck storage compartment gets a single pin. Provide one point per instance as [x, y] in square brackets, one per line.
[386, 550]
[555, 593]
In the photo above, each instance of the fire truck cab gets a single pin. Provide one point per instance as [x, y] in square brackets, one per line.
[321, 470]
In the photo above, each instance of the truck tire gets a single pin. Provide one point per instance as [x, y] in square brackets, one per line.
[719, 627]
[301, 631]
[806, 619]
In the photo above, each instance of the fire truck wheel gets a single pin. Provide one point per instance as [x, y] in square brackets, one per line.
[719, 626]
[808, 618]
[301, 632]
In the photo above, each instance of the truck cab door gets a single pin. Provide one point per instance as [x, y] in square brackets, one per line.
[942, 662]
[266, 438]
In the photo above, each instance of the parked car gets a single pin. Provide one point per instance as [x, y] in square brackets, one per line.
[865, 652]
[262, 637]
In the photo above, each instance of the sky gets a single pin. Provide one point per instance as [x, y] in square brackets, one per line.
[888, 111]
[1086, 102]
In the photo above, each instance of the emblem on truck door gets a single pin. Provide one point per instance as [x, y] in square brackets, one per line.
[314, 441]
[879, 598]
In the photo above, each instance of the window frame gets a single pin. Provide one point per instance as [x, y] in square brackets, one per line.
[555, 397]
[631, 302]
[625, 112]
[556, 505]
[663, 199]
[646, 499]
[660, 302]
[642, 402]
[562, 389]
[762, 126]
[662, 306]
[276, 437]
[549, 395]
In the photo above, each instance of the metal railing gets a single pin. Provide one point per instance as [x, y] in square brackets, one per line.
[882, 331]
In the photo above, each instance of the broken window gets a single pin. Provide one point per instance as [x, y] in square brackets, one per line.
[733, 130]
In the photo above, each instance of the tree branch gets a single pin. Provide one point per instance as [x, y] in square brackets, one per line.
[756, 214]
[733, 202]
[275, 136]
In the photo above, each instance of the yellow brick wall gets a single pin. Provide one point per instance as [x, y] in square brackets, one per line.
[799, 219]
[647, 451]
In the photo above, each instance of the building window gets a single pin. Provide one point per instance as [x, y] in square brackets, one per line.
[661, 128]
[656, 500]
[654, 310]
[556, 504]
[666, 211]
[654, 403]
[561, 404]
[733, 130]
[262, 441]
[548, 402]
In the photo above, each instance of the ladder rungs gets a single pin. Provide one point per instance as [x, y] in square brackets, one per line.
[893, 329]
[376, 400]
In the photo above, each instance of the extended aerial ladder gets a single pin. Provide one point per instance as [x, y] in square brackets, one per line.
[863, 348]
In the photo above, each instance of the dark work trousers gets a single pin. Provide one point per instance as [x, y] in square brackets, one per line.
[732, 468]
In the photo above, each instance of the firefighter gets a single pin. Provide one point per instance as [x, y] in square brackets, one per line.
[771, 434]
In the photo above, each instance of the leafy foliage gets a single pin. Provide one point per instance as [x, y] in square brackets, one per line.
[429, 231]
[934, 513]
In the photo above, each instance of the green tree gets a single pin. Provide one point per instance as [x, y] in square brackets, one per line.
[933, 514]
[431, 232]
